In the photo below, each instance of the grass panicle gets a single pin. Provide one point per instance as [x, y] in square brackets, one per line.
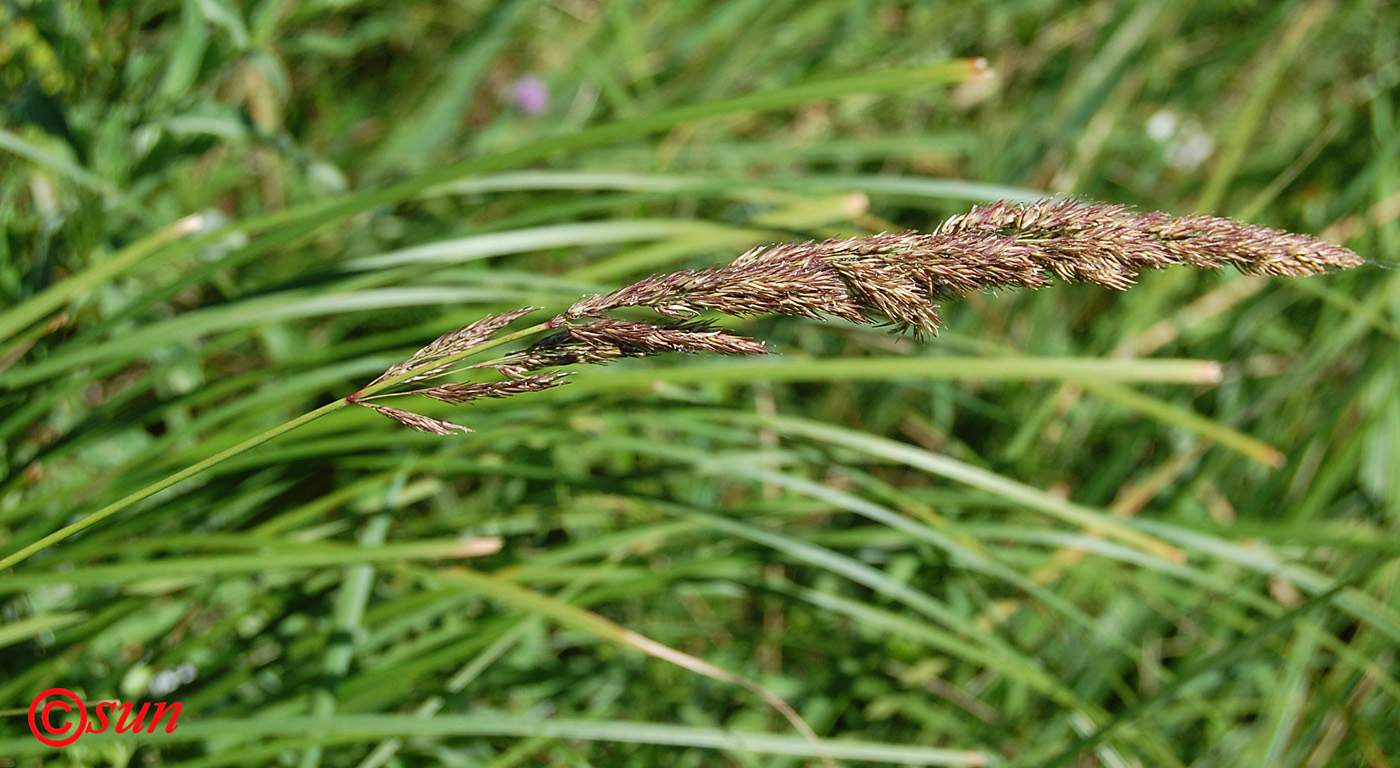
[895, 278]
[892, 279]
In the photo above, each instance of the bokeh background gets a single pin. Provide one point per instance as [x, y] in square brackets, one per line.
[1046, 537]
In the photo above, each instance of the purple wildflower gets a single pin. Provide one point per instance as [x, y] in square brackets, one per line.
[530, 95]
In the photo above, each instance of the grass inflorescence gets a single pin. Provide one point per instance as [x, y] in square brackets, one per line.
[886, 279]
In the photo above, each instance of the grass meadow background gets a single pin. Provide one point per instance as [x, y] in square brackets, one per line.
[1078, 528]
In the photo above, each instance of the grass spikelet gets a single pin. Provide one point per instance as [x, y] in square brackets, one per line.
[417, 421]
[459, 393]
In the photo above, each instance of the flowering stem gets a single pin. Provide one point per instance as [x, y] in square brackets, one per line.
[306, 418]
[894, 278]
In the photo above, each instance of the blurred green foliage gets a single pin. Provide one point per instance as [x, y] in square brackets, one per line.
[914, 561]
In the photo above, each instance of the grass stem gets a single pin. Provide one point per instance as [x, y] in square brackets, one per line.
[136, 497]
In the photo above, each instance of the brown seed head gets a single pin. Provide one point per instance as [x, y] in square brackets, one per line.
[885, 278]
[896, 278]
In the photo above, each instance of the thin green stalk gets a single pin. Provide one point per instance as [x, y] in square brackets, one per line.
[160, 485]
[138, 496]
